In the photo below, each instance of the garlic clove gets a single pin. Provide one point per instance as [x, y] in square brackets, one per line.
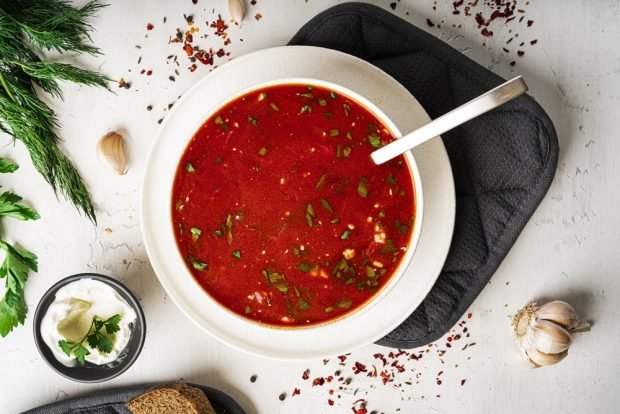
[111, 152]
[559, 312]
[543, 359]
[549, 337]
[236, 9]
[527, 360]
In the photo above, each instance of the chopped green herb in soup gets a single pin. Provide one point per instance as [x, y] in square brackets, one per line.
[291, 223]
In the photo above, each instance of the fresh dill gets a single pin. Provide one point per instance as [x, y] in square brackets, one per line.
[28, 28]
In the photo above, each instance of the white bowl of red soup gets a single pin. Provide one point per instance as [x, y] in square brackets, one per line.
[280, 214]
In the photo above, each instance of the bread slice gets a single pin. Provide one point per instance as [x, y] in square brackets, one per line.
[175, 398]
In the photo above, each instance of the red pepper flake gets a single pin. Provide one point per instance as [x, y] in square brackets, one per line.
[462, 382]
[325, 361]
[393, 6]
[149, 72]
[439, 373]
[219, 25]
[306, 374]
[318, 381]
[530, 23]
[520, 53]
[485, 32]
[258, 16]
[149, 26]
[220, 53]
[296, 391]
[480, 20]
[342, 358]
[359, 367]
[438, 382]
[430, 23]
[330, 402]
[469, 315]
[513, 63]
[195, 1]
[533, 42]
[449, 339]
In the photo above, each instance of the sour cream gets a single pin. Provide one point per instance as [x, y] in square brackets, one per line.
[70, 316]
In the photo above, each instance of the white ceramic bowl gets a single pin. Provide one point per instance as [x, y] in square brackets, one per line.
[380, 315]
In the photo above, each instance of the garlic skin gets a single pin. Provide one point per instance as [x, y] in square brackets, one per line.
[111, 152]
[559, 312]
[236, 9]
[549, 337]
[544, 333]
[542, 359]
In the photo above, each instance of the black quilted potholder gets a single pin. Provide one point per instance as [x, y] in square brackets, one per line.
[503, 162]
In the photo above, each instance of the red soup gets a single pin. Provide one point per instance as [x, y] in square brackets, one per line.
[279, 211]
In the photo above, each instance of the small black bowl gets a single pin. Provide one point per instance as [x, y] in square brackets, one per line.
[92, 372]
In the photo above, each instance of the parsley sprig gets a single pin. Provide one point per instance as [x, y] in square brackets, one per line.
[17, 262]
[95, 338]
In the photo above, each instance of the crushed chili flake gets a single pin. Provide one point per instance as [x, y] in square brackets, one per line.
[297, 391]
[317, 382]
[393, 6]
[533, 42]
[430, 23]
[520, 53]
[149, 26]
[258, 16]
[305, 375]
[330, 402]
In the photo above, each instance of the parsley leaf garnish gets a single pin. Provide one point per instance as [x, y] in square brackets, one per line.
[9, 206]
[95, 338]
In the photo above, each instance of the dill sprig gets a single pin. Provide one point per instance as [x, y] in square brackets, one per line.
[26, 28]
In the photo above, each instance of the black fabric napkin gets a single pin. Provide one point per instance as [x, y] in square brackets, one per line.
[113, 402]
[503, 162]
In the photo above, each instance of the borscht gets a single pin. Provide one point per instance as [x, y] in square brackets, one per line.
[280, 213]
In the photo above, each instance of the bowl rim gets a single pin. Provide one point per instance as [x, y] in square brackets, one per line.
[318, 62]
[49, 295]
[414, 173]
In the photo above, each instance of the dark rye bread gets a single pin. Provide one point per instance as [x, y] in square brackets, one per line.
[177, 398]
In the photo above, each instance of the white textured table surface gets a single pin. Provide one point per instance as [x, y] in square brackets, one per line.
[568, 250]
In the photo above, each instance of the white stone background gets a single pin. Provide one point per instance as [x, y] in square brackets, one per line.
[568, 250]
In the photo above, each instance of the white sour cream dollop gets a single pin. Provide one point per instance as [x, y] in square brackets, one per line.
[70, 315]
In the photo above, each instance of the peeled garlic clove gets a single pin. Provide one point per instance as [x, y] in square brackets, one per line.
[236, 9]
[549, 337]
[559, 312]
[543, 359]
[111, 152]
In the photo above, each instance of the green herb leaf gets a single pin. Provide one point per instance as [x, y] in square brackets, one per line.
[332, 94]
[262, 152]
[195, 232]
[321, 181]
[305, 267]
[10, 207]
[198, 265]
[325, 204]
[322, 102]
[237, 254]
[362, 190]
[345, 235]
[391, 180]
[274, 107]
[302, 304]
[7, 166]
[190, 168]
[334, 133]
[305, 109]
[252, 120]
[374, 141]
[94, 337]
[347, 109]
[310, 215]
[345, 303]
[15, 268]
[112, 324]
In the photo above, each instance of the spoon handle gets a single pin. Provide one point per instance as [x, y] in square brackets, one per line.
[477, 106]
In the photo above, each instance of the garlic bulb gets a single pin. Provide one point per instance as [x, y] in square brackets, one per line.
[544, 333]
[111, 152]
[236, 9]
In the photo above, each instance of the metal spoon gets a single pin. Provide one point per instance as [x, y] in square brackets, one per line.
[476, 107]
